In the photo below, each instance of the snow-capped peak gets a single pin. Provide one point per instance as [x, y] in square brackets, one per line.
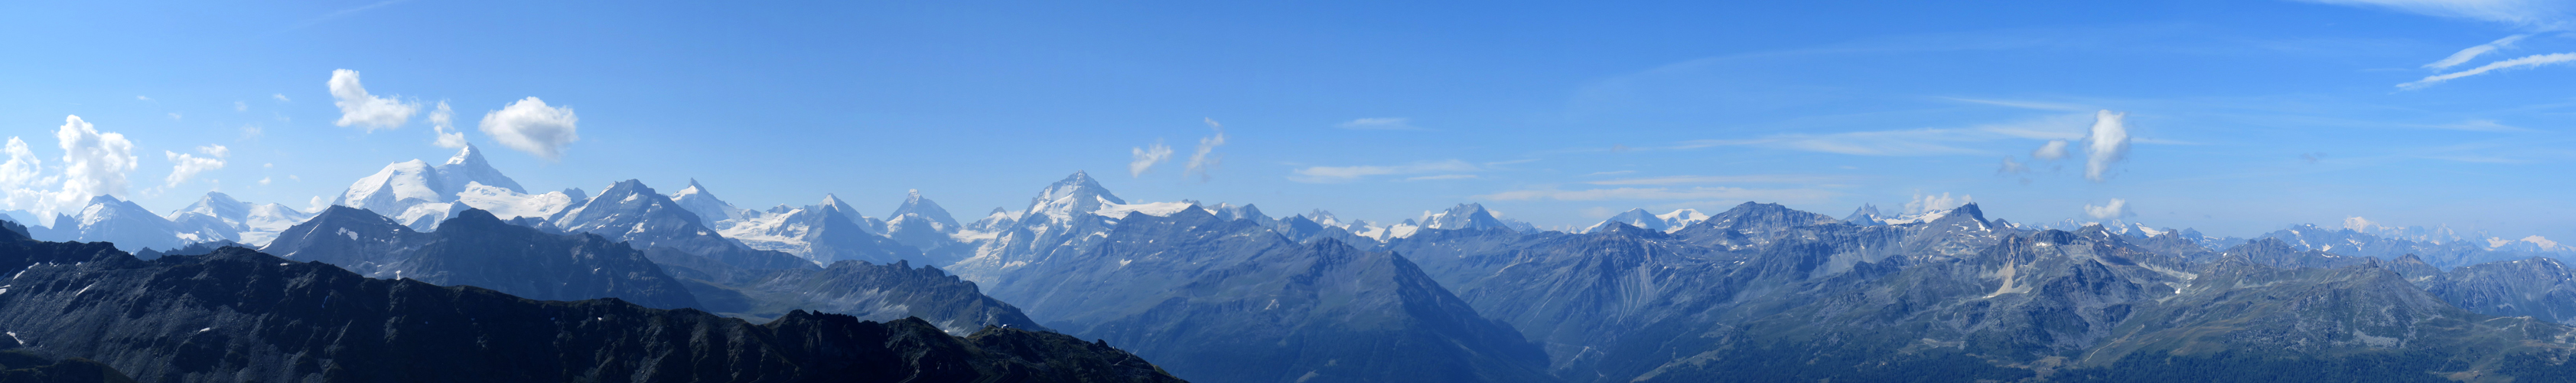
[1463, 216]
[215, 204]
[1076, 193]
[915, 205]
[697, 200]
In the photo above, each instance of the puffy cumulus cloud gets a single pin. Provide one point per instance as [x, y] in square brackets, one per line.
[2109, 144]
[1205, 160]
[94, 163]
[443, 121]
[2525, 61]
[366, 110]
[1379, 123]
[2052, 151]
[2117, 209]
[20, 177]
[1147, 157]
[1341, 174]
[186, 166]
[531, 126]
[1926, 203]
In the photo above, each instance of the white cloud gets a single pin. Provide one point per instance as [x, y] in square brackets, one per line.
[1616, 172]
[2542, 14]
[20, 176]
[2039, 105]
[531, 126]
[263, 180]
[2117, 209]
[1204, 161]
[1757, 178]
[239, 106]
[1442, 177]
[2464, 55]
[1340, 174]
[2358, 223]
[1917, 142]
[2108, 144]
[186, 166]
[2052, 151]
[317, 204]
[1147, 157]
[2481, 126]
[94, 163]
[142, 98]
[1379, 123]
[443, 122]
[366, 110]
[1926, 203]
[281, 97]
[1693, 193]
[2525, 61]
[2012, 167]
[174, 116]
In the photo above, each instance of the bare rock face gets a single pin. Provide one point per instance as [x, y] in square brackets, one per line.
[239, 315]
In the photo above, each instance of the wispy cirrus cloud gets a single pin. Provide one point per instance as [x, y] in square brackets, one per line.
[1146, 157]
[1443, 177]
[2536, 14]
[1662, 194]
[1757, 178]
[2533, 16]
[2038, 105]
[1343, 174]
[2464, 55]
[1379, 123]
[1204, 160]
[2523, 62]
[1914, 142]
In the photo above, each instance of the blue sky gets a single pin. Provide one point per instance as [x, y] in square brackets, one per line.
[2243, 116]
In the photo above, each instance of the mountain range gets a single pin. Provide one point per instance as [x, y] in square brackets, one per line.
[433, 256]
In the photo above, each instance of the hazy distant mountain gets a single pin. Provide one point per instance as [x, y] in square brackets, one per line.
[880, 292]
[241, 316]
[1228, 301]
[822, 233]
[710, 210]
[1674, 220]
[220, 217]
[108, 219]
[922, 224]
[478, 249]
[633, 213]
[2448, 254]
